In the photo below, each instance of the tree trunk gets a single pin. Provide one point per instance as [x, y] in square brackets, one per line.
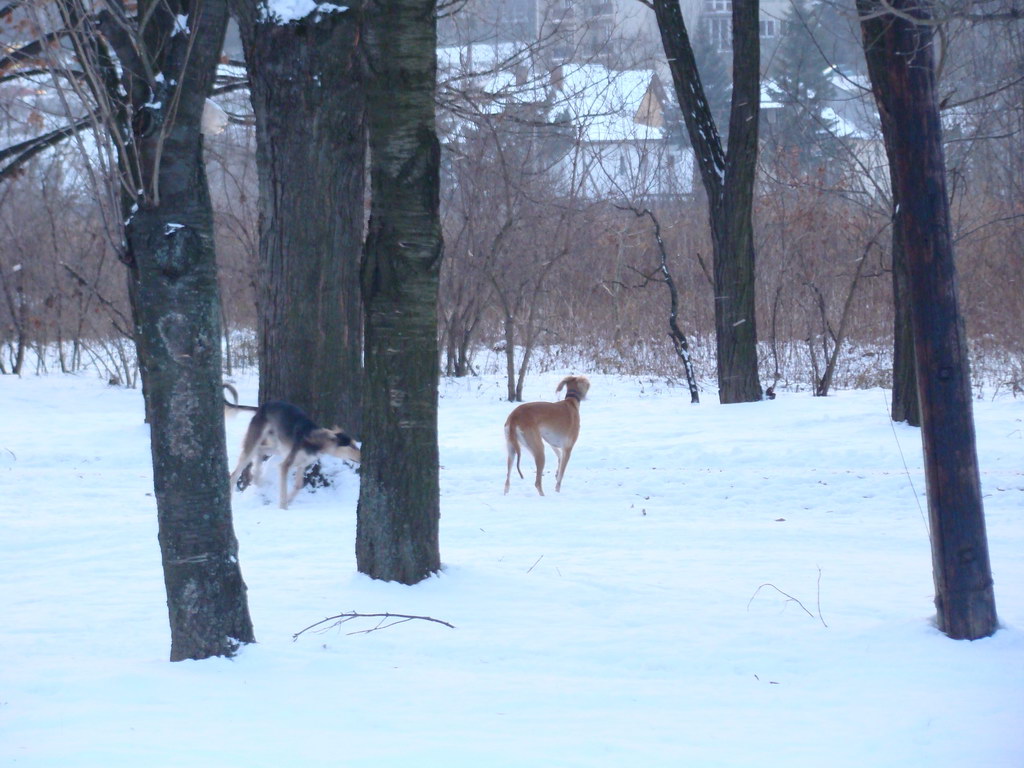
[728, 178]
[823, 385]
[399, 508]
[905, 402]
[964, 596]
[173, 287]
[509, 329]
[735, 321]
[905, 405]
[307, 89]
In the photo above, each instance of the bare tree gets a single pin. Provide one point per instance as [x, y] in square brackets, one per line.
[509, 158]
[905, 404]
[728, 177]
[144, 77]
[676, 334]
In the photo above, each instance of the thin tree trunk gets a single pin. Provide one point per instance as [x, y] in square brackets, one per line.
[509, 328]
[399, 507]
[825, 383]
[964, 596]
[905, 403]
[675, 333]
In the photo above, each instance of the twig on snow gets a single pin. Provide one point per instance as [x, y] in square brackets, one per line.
[820, 618]
[793, 599]
[386, 620]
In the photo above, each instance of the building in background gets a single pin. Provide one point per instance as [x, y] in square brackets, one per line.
[617, 33]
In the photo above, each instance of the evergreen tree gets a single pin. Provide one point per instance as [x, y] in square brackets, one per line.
[800, 80]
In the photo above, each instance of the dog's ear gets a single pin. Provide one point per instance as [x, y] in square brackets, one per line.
[341, 437]
[579, 383]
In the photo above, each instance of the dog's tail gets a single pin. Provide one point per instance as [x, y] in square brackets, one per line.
[512, 440]
[231, 407]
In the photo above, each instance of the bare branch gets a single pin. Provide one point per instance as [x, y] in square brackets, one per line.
[18, 155]
[121, 323]
[30, 52]
[792, 599]
[384, 623]
[942, 13]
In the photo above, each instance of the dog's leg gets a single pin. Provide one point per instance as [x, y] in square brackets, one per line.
[512, 446]
[300, 480]
[563, 461]
[536, 446]
[250, 449]
[269, 445]
[287, 497]
[243, 461]
[298, 461]
[257, 467]
[254, 435]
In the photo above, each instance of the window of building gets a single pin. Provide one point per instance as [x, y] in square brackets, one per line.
[719, 27]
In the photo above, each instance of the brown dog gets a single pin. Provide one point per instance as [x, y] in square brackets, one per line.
[557, 424]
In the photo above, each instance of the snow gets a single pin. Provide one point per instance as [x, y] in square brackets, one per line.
[618, 148]
[606, 104]
[636, 618]
[214, 119]
[287, 11]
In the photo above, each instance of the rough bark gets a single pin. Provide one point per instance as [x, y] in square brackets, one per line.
[398, 513]
[728, 179]
[964, 595]
[306, 84]
[905, 405]
[173, 286]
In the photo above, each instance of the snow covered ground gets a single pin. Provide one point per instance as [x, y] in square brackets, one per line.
[639, 618]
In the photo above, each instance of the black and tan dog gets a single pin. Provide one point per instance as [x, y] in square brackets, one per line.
[282, 429]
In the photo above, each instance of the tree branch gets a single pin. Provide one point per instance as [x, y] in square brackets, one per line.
[121, 323]
[18, 155]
